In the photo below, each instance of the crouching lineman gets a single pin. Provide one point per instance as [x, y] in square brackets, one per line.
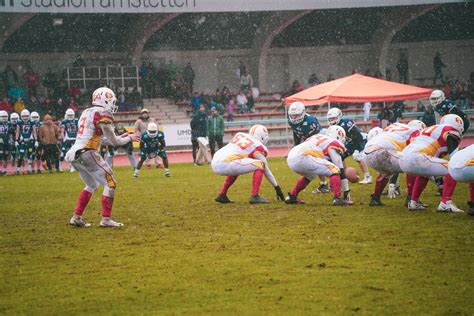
[382, 153]
[355, 141]
[244, 154]
[69, 128]
[422, 158]
[461, 168]
[320, 155]
[152, 144]
[84, 156]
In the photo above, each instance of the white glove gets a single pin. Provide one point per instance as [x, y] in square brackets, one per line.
[357, 156]
[36, 144]
[392, 191]
[17, 144]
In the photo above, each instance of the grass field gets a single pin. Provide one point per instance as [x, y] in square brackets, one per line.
[180, 252]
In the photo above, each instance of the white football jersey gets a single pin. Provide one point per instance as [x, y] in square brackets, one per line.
[394, 137]
[89, 132]
[242, 145]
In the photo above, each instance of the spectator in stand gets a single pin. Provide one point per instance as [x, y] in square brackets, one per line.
[16, 93]
[10, 77]
[313, 80]
[173, 90]
[196, 101]
[448, 89]
[241, 70]
[251, 101]
[171, 74]
[402, 68]
[142, 122]
[34, 105]
[295, 88]
[367, 107]
[79, 62]
[230, 110]
[74, 91]
[246, 81]
[136, 98]
[50, 80]
[19, 106]
[219, 107]
[188, 76]
[32, 81]
[386, 115]
[215, 130]
[242, 102]
[72, 105]
[460, 95]
[438, 66]
[49, 136]
[59, 109]
[6, 106]
[397, 110]
[420, 107]
[429, 117]
[226, 95]
[198, 129]
[60, 91]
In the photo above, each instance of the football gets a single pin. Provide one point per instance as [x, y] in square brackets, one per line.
[352, 175]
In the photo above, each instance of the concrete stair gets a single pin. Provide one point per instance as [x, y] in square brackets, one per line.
[166, 111]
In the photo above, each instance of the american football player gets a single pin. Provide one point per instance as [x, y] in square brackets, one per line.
[422, 158]
[320, 155]
[37, 155]
[382, 153]
[152, 144]
[69, 128]
[4, 141]
[355, 141]
[245, 153]
[26, 141]
[461, 168]
[445, 106]
[84, 156]
[14, 119]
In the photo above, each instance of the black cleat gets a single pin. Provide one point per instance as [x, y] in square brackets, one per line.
[470, 211]
[375, 201]
[257, 199]
[292, 199]
[338, 202]
[323, 188]
[222, 199]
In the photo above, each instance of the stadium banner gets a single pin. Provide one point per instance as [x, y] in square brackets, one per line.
[177, 134]
[183, 6]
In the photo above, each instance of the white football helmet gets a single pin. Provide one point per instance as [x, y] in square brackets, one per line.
[3, 116]
[437, 96]
[69, 115]
[337, 132]
[105, 97]
[14, 117]
[260, 132]
[453, 120]
[152, 129]
[296, 112]
[374, 132]
[417, 124]
[25, 115]
[35, 116]
[334, 116]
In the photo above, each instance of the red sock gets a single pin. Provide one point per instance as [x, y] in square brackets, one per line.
[84, 198]
[335, 181]
[420, 185]
[300, 185]
[256, 181]
[410, 184]
[229, 180]
[380, 184]
[107, 203]
[449, 184]
[471, 186]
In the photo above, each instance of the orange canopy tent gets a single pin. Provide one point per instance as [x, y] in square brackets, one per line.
[357, 89]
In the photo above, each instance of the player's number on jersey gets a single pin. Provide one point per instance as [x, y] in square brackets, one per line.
[396, 128]
[82, 125]
[242, 141]
[319, 139]
[428, 131]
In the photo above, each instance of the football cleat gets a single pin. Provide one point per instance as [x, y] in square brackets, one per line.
[449, 206]
[292, 199]
[338, 202]
[17, 172]
[375, 201]
[222, 199]
[167, 173]
[415, 206]
[135, 175]
[39, 171]
[108, 222]
[347, 198]
[257, 199]
[78, 221]
[4, 173]
[470, 211]
[367, 180]
[323, 188]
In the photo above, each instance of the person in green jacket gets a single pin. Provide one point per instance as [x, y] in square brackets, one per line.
[215, 130]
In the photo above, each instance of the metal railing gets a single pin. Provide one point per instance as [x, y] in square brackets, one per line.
[87, 78]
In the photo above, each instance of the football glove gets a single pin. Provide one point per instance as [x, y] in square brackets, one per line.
[36, 144]
[279, 193]
[17, 144]
[357, 156]
[392, 191]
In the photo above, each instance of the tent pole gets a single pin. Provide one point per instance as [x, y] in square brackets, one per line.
[286, 129]
[329, 106]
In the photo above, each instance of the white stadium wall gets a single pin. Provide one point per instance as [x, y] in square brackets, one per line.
[217, 68]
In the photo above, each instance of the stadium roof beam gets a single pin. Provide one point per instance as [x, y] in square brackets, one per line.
[265, 34]
[142, 31]
[10, 23]
[391, 25]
